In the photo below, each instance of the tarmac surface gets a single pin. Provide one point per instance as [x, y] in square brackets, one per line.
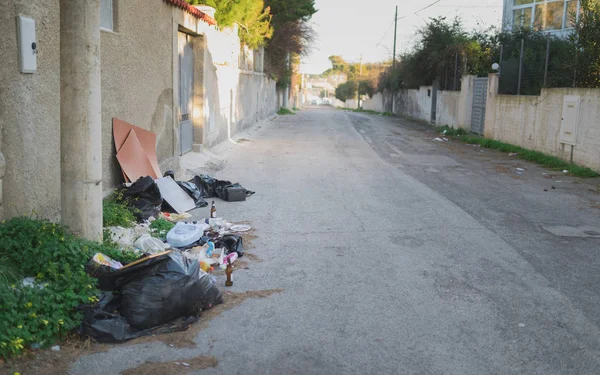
[396, 254]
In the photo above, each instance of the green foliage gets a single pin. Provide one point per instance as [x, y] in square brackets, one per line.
[116, 212]
[252, 16]
[537, 157]
[346, 91]
[55, 258]
[284, 111]
[291, 10]
[161, 227]
[587, 46]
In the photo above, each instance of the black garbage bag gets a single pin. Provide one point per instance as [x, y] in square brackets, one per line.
[165, 290]
[111, 279]
[191, 188]
[104, 323]
[231, 243]
[144, 196]
[211, 187]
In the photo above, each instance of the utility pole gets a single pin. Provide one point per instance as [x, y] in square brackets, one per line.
[394, 56]
[359, 78]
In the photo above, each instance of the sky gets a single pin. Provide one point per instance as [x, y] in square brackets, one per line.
[352, 28]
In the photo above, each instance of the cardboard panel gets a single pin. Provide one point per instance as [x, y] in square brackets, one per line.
[133, 160]
[175, 195]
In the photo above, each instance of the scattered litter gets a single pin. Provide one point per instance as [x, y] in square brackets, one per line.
[150, 245]
[174, 195]
[185, 364]
[438, 139]
[185, 234]
[104, 260]
[175, 217]
[240, 228]
[445, 139]
[565, 171]
[212, 187]
[553, 187]
[35, 346]
[444, 132]
[55, 348]
[545, 189]
[513, 154]
[520, 169]
[30, 282]
[521, 325]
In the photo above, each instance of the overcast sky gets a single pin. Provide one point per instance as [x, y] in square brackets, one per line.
[351, 27]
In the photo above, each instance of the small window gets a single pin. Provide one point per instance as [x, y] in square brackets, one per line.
[106, 15]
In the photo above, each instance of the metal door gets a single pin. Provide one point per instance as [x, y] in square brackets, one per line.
[479, 100]
[186, 92]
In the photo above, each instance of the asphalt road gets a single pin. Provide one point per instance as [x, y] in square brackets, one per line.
[398, 255]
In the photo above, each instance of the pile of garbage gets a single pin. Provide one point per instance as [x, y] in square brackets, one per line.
[167, 288]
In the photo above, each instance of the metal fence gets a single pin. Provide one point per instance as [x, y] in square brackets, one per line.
[451, 72]
[527, 66]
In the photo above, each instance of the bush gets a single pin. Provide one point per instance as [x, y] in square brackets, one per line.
[116, 212]
[161, 227]
[47, 310]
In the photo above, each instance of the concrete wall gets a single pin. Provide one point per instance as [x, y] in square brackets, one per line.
[233, 98]
[375, 103]
[534, 122]
[415, 103]
[447, 108]
[30, 113]
[140, 84]
[137, 79]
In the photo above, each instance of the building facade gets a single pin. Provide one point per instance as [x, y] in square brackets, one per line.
[552, 16]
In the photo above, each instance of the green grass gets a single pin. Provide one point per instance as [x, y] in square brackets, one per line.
[161, 227]
[537, 157]
[450, 131]
[284, 111]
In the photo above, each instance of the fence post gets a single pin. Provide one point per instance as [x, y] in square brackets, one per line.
[455, 70]
[520, 66]
[547, 63]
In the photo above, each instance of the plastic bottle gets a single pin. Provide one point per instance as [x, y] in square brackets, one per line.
[211, 248]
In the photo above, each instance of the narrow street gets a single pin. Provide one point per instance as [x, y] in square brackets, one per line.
[395, 254]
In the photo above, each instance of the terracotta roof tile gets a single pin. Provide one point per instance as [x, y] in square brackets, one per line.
[192, 10]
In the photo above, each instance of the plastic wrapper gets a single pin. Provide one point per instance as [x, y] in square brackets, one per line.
[211, 187]
[231, 243]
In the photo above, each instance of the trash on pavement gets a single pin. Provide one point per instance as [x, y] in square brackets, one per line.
[211, 187]
[231, 243]
[167, 289]
[240, 228]
[174, 195]
[229, 272]
[55, 348]
[438, 139]
[145, 197]
[185, 234]
[175, 217]
[513, 154]
[105, 324]
[520, 169]
[565, 171]
[150, 245]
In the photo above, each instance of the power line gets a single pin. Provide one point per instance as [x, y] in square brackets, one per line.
[428, 6]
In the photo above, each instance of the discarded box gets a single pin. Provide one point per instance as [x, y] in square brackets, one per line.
[235, 194]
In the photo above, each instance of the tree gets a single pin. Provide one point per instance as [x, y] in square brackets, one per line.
[253, 18]
[346, 91]
[586, 39]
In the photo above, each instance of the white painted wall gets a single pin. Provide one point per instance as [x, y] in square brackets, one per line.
[375, 103]
[233, 98]
[534, 122]
[415, 103]
[447, 108]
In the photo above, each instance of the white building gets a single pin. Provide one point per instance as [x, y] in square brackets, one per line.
[553, 16]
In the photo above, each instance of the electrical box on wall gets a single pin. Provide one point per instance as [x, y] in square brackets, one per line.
[570, 120]
[27, 44]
